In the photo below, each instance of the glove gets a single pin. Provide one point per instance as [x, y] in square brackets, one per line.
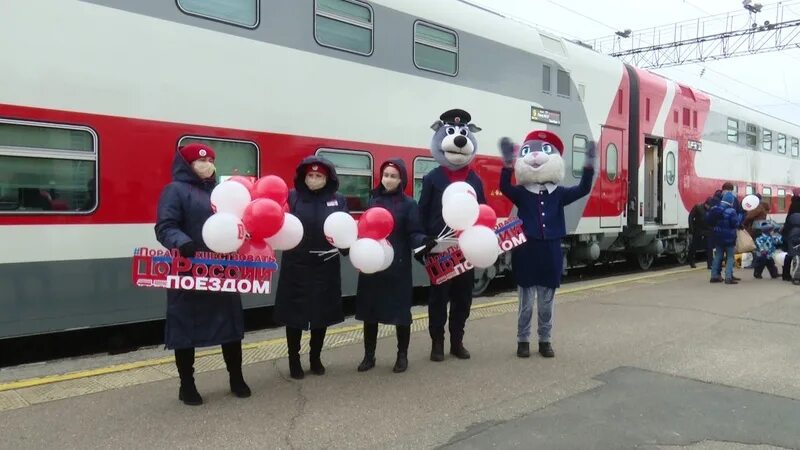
[429, 243]
[590, 155]
[188, 249]
[507, 151]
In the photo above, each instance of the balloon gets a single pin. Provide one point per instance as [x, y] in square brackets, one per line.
[461, 211]
[286, 208]
[388, 254]
[458, 187]
[263, 218]
[479, 245]
[367, 255]
[231, 198]
[486, 216]
[271, 187]
[341, 230]
[223, 233]
[376, 223]
[244, 181]
[256, 247]
[750, 202]
[290, 234]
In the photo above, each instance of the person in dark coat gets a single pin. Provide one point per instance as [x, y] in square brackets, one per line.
[699, 230]
[309, 294]
[195, 318]
[454, 146]
[537, 264]
[725, 220]
[386, 296]
[790, 230]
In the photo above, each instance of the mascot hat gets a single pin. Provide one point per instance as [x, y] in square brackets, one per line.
[546, 136]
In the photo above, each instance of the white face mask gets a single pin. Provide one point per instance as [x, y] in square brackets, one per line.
[204, 169]
[390, 183]
[316, 182]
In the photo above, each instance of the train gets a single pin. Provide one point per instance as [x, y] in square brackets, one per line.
[97, 95]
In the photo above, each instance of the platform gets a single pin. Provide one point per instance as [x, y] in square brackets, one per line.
[657, 360]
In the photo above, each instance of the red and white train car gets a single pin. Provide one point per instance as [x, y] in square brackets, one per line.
[97, 94]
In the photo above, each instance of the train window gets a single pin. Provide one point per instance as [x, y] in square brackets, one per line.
[578, 154]
[435, 49]
[751, 135]
[233, 157]
[669, 173]
[243, 13]
[563, 83]
[766, 140]
[422, 166]
[581, 92]
[733, 130]
[47, 168]
[748, 190]
[612, 160]
[795, 147]
[687, 117]
[781, 143]
[694, 119]
[647, 109]
[546, 78]
[344, 25]
[766, 195]
[355, 175]
[781, 200]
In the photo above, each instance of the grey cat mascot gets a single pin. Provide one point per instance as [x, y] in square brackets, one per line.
[454, 147]
[538, 263]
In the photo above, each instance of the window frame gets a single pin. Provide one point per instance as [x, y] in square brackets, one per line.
[794, 145]
[782, 135]
[237, 141]
[736, 134]
[748, 134]
[781, 200]
[69, 155]
[766, 138]
[671, 156]
[352, 172]
[220, 20]
[414, 177]
[437, 46]
[569, 84]
[329, 16]
[547, 68]
[616, 159]
[749, 190]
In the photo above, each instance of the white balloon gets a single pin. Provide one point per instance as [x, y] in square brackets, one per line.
[388, 254]
[230, 197]
[223, 232]
[458, 187]
[460, 211]
[290, 234]
[341, 229]
[750, 202]
[367, 255]
[480, 246]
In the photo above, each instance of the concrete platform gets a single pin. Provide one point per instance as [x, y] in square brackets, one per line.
[662, 360]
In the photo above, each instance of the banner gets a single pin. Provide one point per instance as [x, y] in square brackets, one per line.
[207, 271]
[452, 263]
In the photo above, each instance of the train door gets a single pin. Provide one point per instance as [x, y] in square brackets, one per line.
[612, 186]
[652, 180]
[669, 204]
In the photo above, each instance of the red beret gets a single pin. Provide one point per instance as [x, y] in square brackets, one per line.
[546, 136]
[319, 168]
[193, 152]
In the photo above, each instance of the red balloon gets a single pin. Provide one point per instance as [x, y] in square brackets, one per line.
[286, 208]
[243, 180]
[376, 223]
[486, 217]
[263, 218]
[271, 187]
[255, 247]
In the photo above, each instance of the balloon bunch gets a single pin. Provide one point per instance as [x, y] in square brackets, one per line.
[251, 218]
[472, 223]
[370, 252]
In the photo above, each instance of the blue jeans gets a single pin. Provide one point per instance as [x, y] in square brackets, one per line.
[717, 264]
[544, 309]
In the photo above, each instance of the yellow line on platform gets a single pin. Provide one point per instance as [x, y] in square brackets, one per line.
[38, 381]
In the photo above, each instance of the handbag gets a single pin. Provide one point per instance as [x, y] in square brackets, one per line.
[744, 243]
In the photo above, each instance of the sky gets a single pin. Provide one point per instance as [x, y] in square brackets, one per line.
[769, 82]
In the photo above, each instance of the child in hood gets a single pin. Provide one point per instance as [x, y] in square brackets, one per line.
[766, 246]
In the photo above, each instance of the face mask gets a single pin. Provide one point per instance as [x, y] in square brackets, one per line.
[390, 184]
[316, 183]
[203, 169]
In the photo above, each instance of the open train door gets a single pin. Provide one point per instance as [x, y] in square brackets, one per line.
[612, 186]
[669, 205]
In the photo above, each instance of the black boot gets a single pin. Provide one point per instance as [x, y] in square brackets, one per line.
[403, 338]
[437, 350]
[458, 350]
[184, 360]
[523, 349]
[546, 350]
[293, 344]
[317, 339]
[370, 341]
[401, 364]
[232, 354]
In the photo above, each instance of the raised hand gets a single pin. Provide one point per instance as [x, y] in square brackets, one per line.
[507, 151]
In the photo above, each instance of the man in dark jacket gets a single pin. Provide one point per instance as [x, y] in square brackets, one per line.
[454, 147]
[698, 231]
[791, 235]
[309, 293]
[724, 221]
[197, 318]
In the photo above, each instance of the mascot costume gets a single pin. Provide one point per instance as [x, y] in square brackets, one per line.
[538, 263]
[454, 147]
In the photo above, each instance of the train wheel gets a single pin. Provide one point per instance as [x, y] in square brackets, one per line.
[682, 257]
[481, 282]
[645, 260]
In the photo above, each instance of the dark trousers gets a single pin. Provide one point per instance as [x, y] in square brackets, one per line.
[293, 336]
[698, 242]
[371, 338]
[764, 261]
[458, 292]
[231, 353]
[787, 267]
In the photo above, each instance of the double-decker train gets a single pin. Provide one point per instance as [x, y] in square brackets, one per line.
[97, 94]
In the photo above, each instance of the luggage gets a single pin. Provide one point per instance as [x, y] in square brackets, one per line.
[744, 243]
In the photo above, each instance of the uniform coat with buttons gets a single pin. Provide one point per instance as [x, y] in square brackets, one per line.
[539, 261]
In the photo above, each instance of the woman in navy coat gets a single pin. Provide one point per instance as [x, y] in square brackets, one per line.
[195, 318]
[309, 294]
[386, 296]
